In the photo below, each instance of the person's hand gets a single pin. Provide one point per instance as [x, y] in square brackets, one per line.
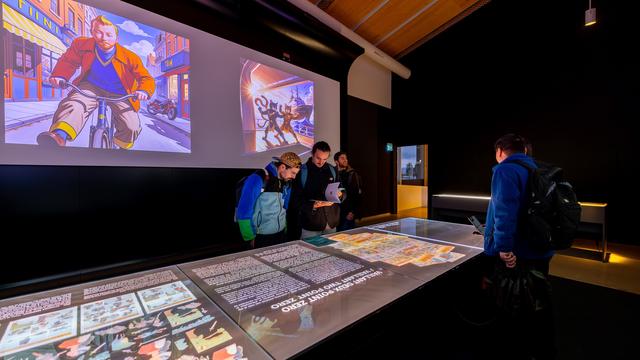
[142, 95]
[57, 82]
[509, 259]
[350, 216]
[319, 204]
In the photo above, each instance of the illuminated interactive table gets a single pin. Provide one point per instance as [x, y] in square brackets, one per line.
[290, 297]
[157, 314]
[278, 301]
[438, 246]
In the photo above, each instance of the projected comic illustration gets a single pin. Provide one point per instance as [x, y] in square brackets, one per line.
[277, 109]
[78, 76]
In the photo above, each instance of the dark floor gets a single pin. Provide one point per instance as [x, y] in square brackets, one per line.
[594, 322]
[591, 322]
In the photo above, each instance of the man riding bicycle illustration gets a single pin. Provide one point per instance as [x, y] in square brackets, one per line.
[107, 70]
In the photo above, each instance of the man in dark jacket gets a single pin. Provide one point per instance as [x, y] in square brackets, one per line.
[350, 180]
[530, 336]
[316, 215]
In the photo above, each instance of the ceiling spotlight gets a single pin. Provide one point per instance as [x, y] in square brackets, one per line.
[590, 15]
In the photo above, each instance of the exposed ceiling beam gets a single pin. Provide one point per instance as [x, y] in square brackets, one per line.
[370, 50]
[370, 14]
[404, 23]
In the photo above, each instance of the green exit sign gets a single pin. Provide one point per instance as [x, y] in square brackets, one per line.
[389, 147]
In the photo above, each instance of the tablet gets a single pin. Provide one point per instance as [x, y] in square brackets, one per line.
[332, 192]
[475, 222]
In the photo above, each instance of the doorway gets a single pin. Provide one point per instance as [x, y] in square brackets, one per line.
[411, 178]
[185, 96]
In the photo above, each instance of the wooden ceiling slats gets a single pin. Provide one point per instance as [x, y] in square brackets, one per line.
[390, 26]
[436, 16]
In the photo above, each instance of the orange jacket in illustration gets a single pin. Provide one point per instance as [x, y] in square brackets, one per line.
[132, 73]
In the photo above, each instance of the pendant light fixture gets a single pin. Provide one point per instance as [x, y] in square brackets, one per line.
[590, 15]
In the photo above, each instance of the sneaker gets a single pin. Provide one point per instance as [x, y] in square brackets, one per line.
[50, 140]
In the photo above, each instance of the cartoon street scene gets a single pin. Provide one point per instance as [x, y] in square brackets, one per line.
[78, 76]
[277, 109]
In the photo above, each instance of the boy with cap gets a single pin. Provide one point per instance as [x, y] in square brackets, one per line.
[264, 199]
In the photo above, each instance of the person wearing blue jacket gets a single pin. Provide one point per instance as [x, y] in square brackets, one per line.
[262, 208]
[503, 236]
[531, 337]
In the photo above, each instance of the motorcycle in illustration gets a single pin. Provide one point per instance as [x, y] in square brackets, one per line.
[163, 106]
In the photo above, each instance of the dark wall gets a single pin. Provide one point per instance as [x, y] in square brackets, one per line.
[273, 27]
[364, 144]
[71, 218]
[533, 69]
[62, 218]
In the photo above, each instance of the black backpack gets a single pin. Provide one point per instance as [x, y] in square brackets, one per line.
[240, 184]
[552, 214]
[353, 175]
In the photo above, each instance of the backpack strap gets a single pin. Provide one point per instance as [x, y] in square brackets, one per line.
[304, 174]
[525, 165]
[333, 172]
[551, 172]
[264, 175]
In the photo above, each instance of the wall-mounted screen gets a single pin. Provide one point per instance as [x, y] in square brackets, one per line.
[106, 83]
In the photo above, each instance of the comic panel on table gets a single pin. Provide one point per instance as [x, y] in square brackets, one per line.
[157, 314]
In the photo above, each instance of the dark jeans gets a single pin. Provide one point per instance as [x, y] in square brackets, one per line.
[262, 240]
[346, 224]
